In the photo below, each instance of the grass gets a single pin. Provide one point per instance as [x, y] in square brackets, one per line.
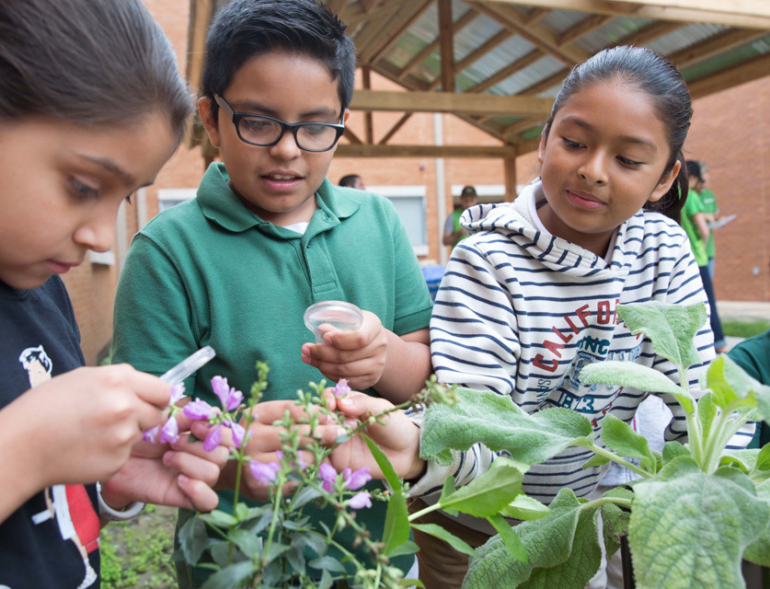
[745, 328]
[137, 553]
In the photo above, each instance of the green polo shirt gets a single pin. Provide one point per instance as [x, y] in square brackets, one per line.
[709, 202]
[693, 206]
[211, 272]
[753, 355]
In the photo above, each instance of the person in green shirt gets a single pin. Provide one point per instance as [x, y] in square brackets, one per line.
[453, 231]
[711, 211]
[695, 225]
[268, 235]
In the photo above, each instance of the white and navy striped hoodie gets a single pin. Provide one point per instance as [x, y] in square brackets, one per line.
[520, 312]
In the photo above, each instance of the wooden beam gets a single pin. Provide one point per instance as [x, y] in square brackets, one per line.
[337, 6]
[489, 45]
[446, 45]
[470, 104]
[535, 33]
[713, 46]
[373, 26]
[546, 84]
[457, 26]
[394, 129]
[352, 137]
[507, 71]
[526, 124]
[536, 15]
[649, 33]
[368, 117]
[626, 8]
[200, 18]
[398, 25]
[583, 28]
[742, 7]
[509, 170]
[452, 151]
[527, 146]
[356, 14]
[748, 71]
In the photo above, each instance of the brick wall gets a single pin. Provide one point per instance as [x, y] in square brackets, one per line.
[729, 131]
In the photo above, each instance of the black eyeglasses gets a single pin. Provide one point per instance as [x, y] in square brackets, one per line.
[267, 131]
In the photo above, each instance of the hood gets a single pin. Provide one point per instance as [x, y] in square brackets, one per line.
[515, 222]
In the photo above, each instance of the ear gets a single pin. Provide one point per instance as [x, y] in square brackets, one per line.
[541, 149]
[209, 123]
[346, 115]
[665, 182]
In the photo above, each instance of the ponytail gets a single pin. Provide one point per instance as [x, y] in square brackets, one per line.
[672, 202]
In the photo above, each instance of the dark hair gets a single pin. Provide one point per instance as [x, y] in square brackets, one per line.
[694, 169]
[98, 61]
[657, 77]
[246, 28]
[468, 191]
[349, 180]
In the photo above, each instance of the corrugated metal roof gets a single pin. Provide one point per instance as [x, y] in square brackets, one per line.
[562, 20]
[684, 37]
[611, 32]
[728, 59]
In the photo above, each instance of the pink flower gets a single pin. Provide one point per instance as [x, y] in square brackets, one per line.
[360, 500]
[229, 397]
[213, 439]
[356, 480]
[328, 475]
[198, 410]
[151, 435]
[177, 392]
[239, 433]
[342, 389]
[264, 473]
[170, 431]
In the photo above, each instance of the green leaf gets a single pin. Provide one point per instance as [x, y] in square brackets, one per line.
[630, 374]
[689, 529]
[407, 547]
[525, 508]
[548, 542]
[499, 424]
[512, 542]
[658, 460]
[385, 466]
[448, 537]
[221, 553]
[671, 328]
[275, 551]
[487, 494]
[230, 576]
[249, 544]
[296, 559]
[707, 411]
[326, 580]
[746, 460]
[674, 450]
[241, 512]
[763, 460]
[730, 383]
[411, 583]
[759, 551]
[615, 519]
[582, 564]
[396, 522]
[305, 495]
[622, 440]
[219, 518]
[327, 563]
[193, 538]
[596, 460]
[313, 540]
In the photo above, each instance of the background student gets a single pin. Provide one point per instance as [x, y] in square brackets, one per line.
[453, 231]
[268, 235]
[76, 137]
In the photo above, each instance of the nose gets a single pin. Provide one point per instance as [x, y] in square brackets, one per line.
[286, 148]
[593, 170]
[97, 232]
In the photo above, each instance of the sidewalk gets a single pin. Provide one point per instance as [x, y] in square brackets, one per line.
[742, 311]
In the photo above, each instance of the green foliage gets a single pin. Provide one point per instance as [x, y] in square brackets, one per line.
[696, 512]
[744, 329]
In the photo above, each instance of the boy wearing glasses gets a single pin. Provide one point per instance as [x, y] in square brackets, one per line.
[268, 235]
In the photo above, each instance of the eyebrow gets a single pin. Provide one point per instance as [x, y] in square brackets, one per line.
[250, 107]
[624, 138]
[125, 177]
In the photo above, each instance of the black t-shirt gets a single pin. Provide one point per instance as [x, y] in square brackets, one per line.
[53, 539]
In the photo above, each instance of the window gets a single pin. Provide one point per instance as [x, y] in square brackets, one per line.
[409, 202]
[170, 197]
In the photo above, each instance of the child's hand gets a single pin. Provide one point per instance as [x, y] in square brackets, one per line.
[179, 475]
[399, 438]
[84, 423]
[265, 441]
[359, 356]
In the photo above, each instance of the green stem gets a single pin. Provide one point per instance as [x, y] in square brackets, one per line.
[276, 506]
[722, 435]
[615, 458]
[425, 511]
[620, 502]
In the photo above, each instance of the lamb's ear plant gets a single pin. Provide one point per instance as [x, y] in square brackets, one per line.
[697, 509]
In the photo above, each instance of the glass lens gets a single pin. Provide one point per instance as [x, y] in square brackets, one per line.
[259, 130]
[316, 136]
